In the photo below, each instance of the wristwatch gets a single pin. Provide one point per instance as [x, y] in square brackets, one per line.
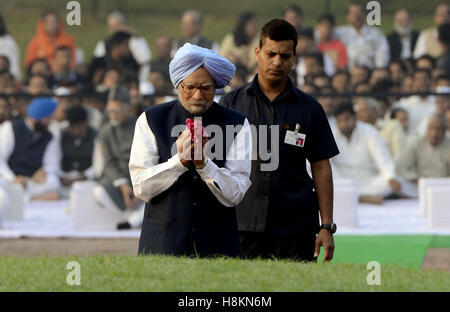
[332, 227]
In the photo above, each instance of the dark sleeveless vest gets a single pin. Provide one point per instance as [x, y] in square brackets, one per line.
[187, 219]
[77, 157]
[29, 149]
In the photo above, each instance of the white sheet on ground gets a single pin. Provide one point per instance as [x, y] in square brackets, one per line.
[53, 219]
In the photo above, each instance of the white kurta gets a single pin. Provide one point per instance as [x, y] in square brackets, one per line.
[139, 49]
[422, 160]
[418, 108]
[393, 135]
[369, 47]
[428, 39]
[228, 184]
[10, 49]
[50, 163]
[365, 159]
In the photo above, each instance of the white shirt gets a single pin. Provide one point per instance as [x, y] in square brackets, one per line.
[138, 47]
[369, 47]
[406, 47]
[140, 51]
[10, 49]
[56, 127]
[51, 159]
[332, 121]
[363, 157]
[418, 109]
[421, 47]
[149, 178]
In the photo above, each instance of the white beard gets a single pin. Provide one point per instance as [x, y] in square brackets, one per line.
[114, 123]
[403, 31]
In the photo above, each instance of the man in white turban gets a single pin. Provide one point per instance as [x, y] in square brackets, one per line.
[192, 181]
[190, 57]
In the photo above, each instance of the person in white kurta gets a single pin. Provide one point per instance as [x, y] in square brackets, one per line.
[10, 49]
[368, 110]
[150, 178]
[428, 156]
[418, 107]
[441, 104]
[44, 184]
[166, 176]
[366, 45]
[138, 45]
[363, 156]
[428, 42]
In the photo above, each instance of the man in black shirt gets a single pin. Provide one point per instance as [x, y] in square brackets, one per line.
[279, 215]
[77, 145]
[444, 40]
[118, 55]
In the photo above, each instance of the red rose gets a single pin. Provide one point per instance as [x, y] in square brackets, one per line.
[197, 130]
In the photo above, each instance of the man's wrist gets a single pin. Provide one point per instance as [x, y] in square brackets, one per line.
[183, 161]
[331, 227]
[201, 165]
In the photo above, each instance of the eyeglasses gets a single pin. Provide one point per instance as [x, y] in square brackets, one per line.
[205, 89]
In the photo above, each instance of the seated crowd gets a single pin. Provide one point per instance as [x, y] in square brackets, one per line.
[387, 98]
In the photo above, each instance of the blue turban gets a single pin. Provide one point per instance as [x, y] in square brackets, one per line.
[190, 57]
[41, 107]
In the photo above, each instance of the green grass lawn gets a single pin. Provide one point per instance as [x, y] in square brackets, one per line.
[439, 241]
[400, 257]
[160, 273]
[403, 250]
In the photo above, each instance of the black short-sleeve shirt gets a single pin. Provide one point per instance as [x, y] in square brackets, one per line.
[282, 200]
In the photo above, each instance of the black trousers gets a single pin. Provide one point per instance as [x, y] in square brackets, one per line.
[268, 245]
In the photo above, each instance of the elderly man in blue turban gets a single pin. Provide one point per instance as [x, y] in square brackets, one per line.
[29, 154]
[190, 191]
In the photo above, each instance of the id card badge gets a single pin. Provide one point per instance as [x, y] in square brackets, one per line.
[294, 137]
